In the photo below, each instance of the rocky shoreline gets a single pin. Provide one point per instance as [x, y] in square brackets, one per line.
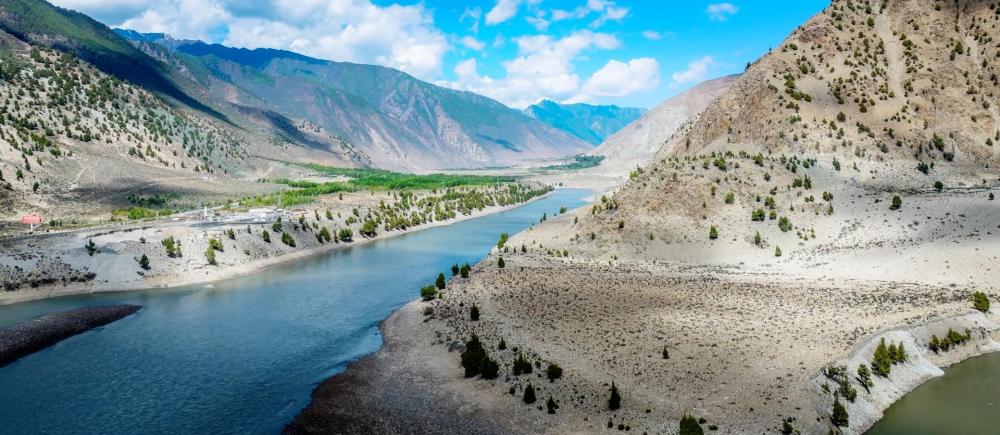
[30, 336]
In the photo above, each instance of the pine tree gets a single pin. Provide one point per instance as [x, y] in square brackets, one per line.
[666, 354]
[865, 376]
[144, 262]
[839, 416]
[464, 271]
[713, 233]
[440, 283]
[615, 401]
[551, 405]
[777, 251]
[472, 356]
[474, 313]
[454, 269]
[529, 394]
[521, 365]
[881, 362]
[500, 263]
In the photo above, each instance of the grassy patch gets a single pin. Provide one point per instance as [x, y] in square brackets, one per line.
[382, 179]
[580, 162]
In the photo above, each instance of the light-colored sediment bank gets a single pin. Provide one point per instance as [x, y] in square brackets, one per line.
[59, 265]
[683, 324]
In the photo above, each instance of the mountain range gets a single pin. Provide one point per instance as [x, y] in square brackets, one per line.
[585, 121]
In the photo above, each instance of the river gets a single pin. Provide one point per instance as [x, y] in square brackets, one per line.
[966, 400]
[240, 356]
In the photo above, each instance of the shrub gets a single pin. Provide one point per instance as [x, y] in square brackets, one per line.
[757, 215]
[231, 234]
[287, 239]
[440, 282]
[325, 234]
[777, 251]
[938, 185]
[210, 256]
[144, 262]
[730, 198]
[521, 365]
[615, 401]
[488, 368]
[172, 246]
[500, 263]
[428, 292]
[553, 372]
[551, 405]
[756, 238]
[345, 234]
[980, 301]
[216, 245]
[91, 247]
[267, 236]
[897, 202]
[784, 224]
[713, 233]
[690, 426]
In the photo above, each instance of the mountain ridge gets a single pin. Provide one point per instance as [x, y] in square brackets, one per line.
[592, 123]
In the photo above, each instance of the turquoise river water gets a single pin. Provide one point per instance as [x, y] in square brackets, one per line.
[243, 355]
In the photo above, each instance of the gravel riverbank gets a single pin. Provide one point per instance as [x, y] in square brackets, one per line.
[30, 336]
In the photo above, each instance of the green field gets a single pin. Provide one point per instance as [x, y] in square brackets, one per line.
[580, 162]
[383, 179]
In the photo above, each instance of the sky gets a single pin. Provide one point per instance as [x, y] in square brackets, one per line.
[628, 53]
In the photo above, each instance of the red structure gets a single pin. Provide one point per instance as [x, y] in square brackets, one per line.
[32, 220]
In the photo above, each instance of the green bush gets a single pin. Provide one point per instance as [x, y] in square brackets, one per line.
[839, 416]
[521, 365]
[713, 233]
[980, 301]
[553, 372]
[287, 239]
[428, 292]
[897, 202]
[690, 426]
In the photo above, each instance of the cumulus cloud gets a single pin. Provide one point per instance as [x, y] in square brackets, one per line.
[696, 71]
[402, 37]
[543, 68]
[502, 11]
[618, 79]
[721, 11]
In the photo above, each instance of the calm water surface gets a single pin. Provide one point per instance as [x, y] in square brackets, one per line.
[243, 356]
[966, 401]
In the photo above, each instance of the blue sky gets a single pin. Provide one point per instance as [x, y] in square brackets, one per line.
[631, 53]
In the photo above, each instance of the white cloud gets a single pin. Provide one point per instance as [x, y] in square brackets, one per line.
[721, 11]
[473, 43]
[543, 68]
[652, 35]
[402, 37]
[696, 71]
[606, 10]
[502, 11]
[618, 79]
[538, 22]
